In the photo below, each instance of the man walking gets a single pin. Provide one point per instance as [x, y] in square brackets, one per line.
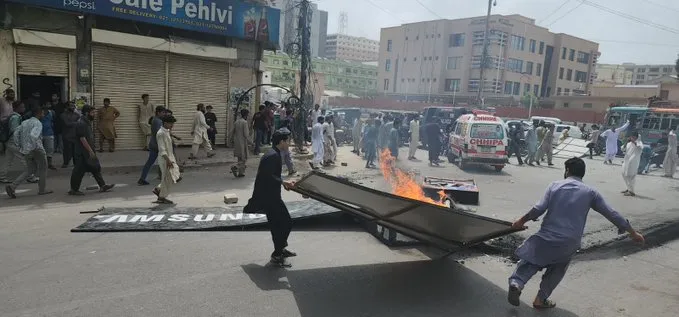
[240, 138]
[28, 137]
[47, 121]
[70, 120]
[540, 132]
[516, 134]
[107, 128]
[145, 112]
[370, 142]
[531, 144]
[394, 139]
[669, 164]
[414, 137]
[85, 160]
[331, 133]
[356, 136]
[317, 143]
[567, 203]
[12, 153]
[433, 133]
[169, 170]
[199, 132]
[259, 125]
[612, 135]
[633, 150]
[156, 124]
[546, 146]
[266, 198]
[211, 120]
[594, 140]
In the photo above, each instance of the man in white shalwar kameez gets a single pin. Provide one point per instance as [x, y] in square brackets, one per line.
[356, 135]
[169, 170]
[630, 167]
[612, 136]
[414, 137]
[199, 132]
[317, 142]
[669, 164]
[331, 134]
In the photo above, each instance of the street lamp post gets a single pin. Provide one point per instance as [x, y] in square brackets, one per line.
[484, 57]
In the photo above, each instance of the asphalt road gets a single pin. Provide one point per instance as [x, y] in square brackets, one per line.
[45, 270]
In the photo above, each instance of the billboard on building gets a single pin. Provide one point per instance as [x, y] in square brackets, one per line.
[224, 17]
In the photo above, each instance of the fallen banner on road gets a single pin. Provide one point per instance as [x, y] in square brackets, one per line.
[571, 147]
[190, 218]
[442, 227]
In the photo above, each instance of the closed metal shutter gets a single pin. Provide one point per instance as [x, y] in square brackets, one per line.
[193, 81]
[124, 75]
[41, 61]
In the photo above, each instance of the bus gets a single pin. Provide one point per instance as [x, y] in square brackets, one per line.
[651, 123]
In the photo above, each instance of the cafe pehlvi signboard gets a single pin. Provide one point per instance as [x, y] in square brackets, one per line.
[232, 18]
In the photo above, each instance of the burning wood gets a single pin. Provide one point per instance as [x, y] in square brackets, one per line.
[403, 184]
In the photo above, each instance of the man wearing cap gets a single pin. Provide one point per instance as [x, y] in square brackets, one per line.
[266, 198]
[169, 170]
[84, 159]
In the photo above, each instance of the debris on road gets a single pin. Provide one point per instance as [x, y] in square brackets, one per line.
[230, 198]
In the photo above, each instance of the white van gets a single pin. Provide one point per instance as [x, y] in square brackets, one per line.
[552, 119]
[479, 139]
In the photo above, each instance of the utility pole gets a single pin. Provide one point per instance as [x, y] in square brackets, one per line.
[305, 59]
[484, 57]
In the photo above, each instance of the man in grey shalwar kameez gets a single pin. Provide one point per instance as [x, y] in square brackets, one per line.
[567, 203]
[240, 138]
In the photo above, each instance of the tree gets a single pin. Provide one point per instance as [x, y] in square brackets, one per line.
[676, 66]
[526, 98]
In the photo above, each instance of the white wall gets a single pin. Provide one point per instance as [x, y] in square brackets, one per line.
[7, 62]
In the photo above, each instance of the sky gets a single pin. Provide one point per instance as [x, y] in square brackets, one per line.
[621, 40]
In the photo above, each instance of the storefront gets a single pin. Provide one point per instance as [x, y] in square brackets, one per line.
[188, 58]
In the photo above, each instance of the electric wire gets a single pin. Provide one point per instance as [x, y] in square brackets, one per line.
[432, 11]
[553, 12]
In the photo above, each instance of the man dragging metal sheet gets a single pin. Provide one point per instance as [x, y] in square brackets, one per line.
[266, 198]
[567, 203]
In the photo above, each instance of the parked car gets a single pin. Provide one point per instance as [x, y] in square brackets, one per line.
[573, 132]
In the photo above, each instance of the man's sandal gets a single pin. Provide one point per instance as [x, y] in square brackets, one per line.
[546, 304]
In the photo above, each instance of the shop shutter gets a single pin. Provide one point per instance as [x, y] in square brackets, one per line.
[41, 61]
[123, 75]
[193, 81]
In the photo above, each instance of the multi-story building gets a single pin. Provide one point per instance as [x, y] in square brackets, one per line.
[289, 24]
[355, 78]
[643, 73]
[609, 75]
[351, 48]
[441, 60]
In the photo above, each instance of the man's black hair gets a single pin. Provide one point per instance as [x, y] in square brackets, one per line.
[169, 119]
[320, 119]
[16, 104]
[160, 109]
[107, 99]
[576, 167]
[144, 96]
[198, 106]
[86, 109]
[262, 107]
[278, 137]
[634, 134]
[288, 112]
[209, 107]
[244, 113]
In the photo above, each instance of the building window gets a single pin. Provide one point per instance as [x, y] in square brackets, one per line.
[640, 76]
[389, 45]
[404, 60]
[508, 88]
[542, 48]
[566, 105]
[571, 55]
[285, 63]
[583, 58]
[437, 58]
[538, 70]
[587, 105]
[452, 85]
[641, 70]
[387, 65]
[667, 70]
[563, 53]
[514, 65]
[414, 59]
[517, 89]
[456, 40]
[654, 70]
[536, 90]
[569, 74]
[580, 77]
[453, 62]
[526, 88]
[558, 91]
[560, 72]
[386, 84]
[567, 91]
[518, 42]
[529, 68]
[532, 45]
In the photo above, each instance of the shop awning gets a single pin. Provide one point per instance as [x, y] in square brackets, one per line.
[442, 227]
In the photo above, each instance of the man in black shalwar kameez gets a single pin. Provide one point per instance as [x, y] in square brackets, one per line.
[266, 198]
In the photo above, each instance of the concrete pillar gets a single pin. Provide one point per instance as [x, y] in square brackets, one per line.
[83, 57]
[8, 76]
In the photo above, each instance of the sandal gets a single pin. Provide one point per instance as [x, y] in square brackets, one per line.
[546, 304]
[514, 295]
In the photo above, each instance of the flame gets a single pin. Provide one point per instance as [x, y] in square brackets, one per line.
[402, 184]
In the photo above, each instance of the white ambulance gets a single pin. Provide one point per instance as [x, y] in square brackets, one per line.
[479, 139]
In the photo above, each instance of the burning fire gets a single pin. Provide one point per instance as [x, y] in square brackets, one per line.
[403, 184]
